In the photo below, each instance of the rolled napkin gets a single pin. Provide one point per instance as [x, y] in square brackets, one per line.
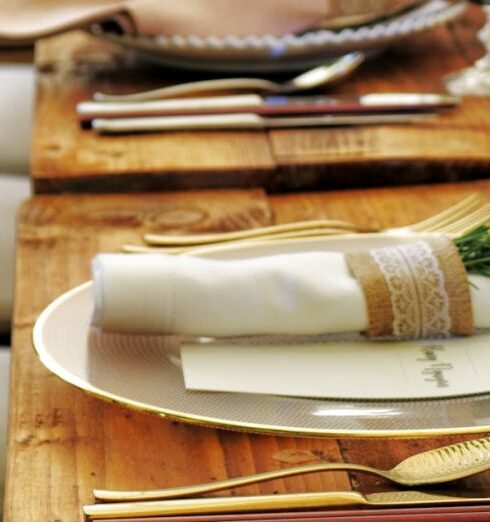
[26, 20]
[311, 293]
[242, 18]
[23, 21]
[222, 18]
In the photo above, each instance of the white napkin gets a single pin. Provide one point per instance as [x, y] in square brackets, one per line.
[242, 18]
[26, 20]
[225, 17]
[310, 293]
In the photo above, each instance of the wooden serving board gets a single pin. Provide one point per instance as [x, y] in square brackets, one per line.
[65, 157]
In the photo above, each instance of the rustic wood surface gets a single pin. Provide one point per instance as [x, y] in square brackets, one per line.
[63, 443]
[66, 158]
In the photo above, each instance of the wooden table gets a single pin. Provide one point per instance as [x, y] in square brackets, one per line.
[63, 442]
[68, 159]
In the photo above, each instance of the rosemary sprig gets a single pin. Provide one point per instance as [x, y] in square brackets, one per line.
[474, 249]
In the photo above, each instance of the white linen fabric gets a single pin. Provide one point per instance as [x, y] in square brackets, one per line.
[291, 294]
[222, 17]
[31, 19]
[310, 293]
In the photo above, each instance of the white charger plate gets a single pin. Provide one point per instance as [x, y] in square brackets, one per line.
[141, 371]
[267, 53]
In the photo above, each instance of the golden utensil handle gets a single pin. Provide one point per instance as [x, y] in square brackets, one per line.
[269, 231]
[219, 485]
[196, 506]
[223, 243]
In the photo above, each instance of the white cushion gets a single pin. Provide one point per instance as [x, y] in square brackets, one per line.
[4, 383]
[16, 103]
[13, 190]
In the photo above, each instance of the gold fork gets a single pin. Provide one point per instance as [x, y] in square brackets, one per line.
[456, 220]
[433, 466]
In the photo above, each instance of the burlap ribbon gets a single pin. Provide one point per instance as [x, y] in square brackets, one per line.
[414, 290]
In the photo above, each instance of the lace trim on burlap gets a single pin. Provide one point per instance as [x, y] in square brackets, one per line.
[414, 290]
[376, 293]
[456, 284]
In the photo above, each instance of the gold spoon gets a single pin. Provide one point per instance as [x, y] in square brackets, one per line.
[429, 467]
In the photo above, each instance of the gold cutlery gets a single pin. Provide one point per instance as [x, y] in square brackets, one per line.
[262, 503]
[456, 220]
[429, 467]
[465, 210]
[294, 234]
[311, 79]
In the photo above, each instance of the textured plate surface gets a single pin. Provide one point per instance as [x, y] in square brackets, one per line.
[268, 53]
[140, 372]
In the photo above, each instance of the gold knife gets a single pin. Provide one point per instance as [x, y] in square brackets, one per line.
[263, 503]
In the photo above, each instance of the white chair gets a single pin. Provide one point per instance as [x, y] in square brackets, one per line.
[4, 380]
[13, 190]
[16, 99]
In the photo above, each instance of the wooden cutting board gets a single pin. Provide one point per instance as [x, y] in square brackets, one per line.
[65, 157]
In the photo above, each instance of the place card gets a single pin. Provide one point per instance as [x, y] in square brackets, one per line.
[342, 370]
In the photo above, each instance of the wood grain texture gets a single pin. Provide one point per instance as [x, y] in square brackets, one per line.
[455, 146]
[65, 157]
[63, 443]
[374, 208]
[71, 67]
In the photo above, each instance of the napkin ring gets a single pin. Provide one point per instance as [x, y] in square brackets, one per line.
[414, 290]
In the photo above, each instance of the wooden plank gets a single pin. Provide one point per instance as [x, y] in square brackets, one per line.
[66, 157]
[374, 208]
[71, 67]
[456, 145]
[63, 443]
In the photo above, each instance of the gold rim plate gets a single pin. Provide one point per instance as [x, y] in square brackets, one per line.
[140, 371]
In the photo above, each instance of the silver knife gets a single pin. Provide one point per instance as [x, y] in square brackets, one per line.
[245, 121]
[268, 105]
[267, 503]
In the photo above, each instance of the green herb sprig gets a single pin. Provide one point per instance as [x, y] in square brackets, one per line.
[474, 249]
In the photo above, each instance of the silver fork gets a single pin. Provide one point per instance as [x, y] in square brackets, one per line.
[456, 220]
